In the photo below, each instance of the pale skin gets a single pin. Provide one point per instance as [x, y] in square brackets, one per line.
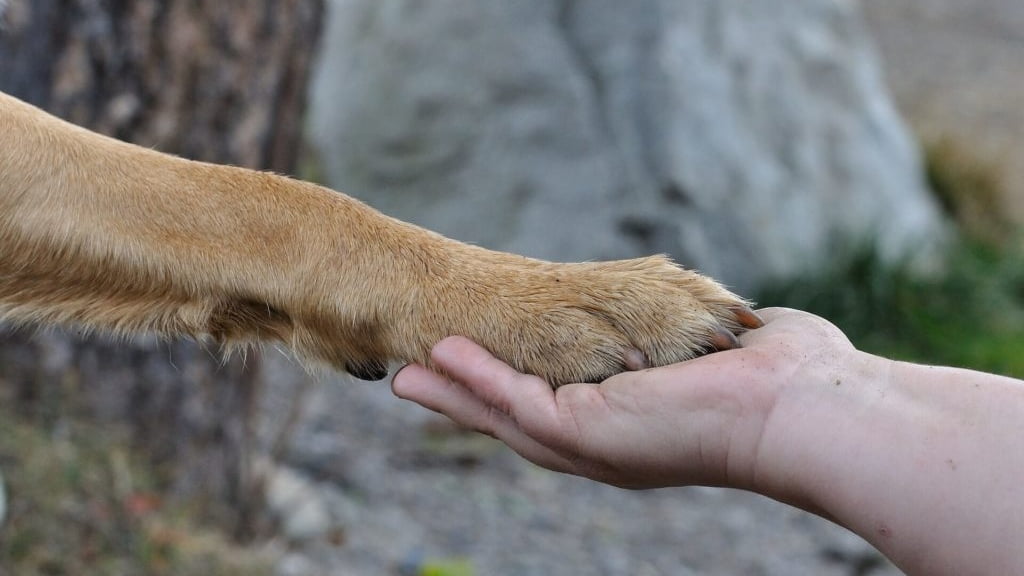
[926, 463]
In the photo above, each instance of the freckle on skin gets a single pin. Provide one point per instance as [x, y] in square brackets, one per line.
[951, 463]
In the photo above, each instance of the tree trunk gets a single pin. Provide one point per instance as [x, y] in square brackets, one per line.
[215, 80]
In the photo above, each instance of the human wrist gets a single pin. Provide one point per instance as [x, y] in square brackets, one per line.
[815, 429]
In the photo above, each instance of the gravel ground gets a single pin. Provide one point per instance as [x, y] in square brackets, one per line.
[402, 488]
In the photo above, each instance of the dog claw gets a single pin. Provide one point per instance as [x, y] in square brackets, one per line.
[724, 340]
[367, 369]
[636, 360]
[747, 317]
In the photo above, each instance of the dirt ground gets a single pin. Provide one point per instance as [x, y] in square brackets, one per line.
[956, 69]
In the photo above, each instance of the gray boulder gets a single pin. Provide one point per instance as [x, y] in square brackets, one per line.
[749, 139]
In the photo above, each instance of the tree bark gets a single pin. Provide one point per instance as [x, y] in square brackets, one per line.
[216, 80]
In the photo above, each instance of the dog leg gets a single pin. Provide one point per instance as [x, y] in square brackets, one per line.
[105, 235]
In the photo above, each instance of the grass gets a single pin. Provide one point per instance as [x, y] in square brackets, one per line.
[971, 315]
[79, 503]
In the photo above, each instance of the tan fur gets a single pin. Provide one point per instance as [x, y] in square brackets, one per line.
[106, 235]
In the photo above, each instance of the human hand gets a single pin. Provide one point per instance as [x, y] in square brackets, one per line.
[699, 422]
[895, 452]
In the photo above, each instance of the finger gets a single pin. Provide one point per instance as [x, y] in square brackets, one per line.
[530, 448]
[528, 400]
[440, 394]
[436, 392]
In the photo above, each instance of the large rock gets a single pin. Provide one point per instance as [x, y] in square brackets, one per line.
[748, 139]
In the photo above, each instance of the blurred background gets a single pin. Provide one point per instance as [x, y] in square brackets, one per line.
[861, 160]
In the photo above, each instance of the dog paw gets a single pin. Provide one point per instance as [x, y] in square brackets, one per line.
[586, 322]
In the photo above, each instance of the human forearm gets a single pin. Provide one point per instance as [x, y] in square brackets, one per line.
[924, 462]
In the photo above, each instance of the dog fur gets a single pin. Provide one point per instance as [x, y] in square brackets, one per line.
[101, 234]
